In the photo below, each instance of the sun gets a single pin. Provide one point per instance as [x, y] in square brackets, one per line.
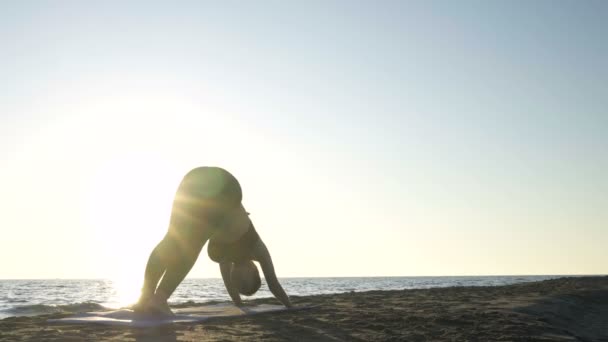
[126, 290]
[127, 212]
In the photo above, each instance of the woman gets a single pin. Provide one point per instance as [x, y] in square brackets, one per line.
[207, 206]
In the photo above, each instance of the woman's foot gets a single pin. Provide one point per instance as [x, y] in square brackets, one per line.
[142, 301]
[153, 306]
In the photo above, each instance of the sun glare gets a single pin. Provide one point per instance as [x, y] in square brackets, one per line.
[126, 290]
[127, 211]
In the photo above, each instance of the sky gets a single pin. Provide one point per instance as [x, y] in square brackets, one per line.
[371, 138]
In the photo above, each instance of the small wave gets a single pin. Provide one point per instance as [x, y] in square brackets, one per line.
[17, 301]
[41, 309]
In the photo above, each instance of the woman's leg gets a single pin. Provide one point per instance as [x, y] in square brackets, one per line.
[154, 271]
[175, 253]
[172, 259]
[159, 260]
[184, 254]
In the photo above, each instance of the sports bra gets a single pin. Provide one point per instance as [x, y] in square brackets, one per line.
[236, 251]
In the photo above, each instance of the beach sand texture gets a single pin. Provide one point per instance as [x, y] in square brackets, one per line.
[566, 309]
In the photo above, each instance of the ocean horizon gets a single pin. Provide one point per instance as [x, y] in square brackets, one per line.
[30, 297]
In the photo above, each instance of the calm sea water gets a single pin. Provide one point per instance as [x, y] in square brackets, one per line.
[35, 297]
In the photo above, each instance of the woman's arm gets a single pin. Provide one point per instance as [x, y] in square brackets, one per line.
[226, 269]
[262, 255]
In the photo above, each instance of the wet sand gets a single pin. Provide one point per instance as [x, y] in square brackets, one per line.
[566, 309]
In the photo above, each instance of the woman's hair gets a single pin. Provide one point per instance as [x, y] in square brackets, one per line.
[246, 278]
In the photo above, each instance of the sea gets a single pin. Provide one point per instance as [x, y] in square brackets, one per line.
[45, 296]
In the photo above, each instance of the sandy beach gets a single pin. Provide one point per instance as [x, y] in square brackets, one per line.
[566, 309]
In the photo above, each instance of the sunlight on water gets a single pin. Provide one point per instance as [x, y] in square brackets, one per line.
[126, 291]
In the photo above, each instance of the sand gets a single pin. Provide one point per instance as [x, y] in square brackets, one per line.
[567, 309]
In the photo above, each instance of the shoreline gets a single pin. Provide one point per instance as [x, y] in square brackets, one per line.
[568, 309]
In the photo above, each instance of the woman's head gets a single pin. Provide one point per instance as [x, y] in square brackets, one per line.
[246, 278]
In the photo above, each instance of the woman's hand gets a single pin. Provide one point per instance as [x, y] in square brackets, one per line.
[263, 257]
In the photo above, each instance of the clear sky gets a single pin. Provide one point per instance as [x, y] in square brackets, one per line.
[371, 138]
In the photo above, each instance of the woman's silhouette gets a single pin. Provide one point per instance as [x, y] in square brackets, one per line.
[207, 206]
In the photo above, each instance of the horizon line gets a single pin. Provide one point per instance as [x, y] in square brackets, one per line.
[388, 276]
